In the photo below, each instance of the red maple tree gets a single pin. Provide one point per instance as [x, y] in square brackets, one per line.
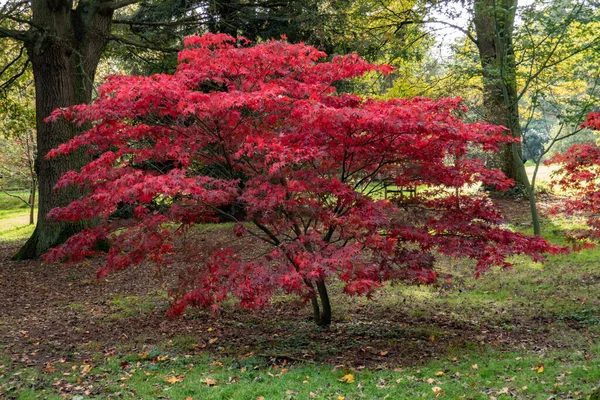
[578, 175]
[262, 129]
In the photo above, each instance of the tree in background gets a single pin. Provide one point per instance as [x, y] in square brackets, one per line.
[307, 165]
[537, 75]
[18, 148]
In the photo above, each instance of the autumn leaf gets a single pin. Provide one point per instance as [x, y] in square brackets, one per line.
[540, 368]
[174, 379]
[49, 368]
[348, 378]
[210, 381]
[213, 340]
[440, 373]
[86, 368]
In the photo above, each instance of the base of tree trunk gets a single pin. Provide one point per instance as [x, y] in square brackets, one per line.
[40, 242]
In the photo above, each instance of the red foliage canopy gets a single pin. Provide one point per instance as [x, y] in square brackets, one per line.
[579, 175]
[263, 128]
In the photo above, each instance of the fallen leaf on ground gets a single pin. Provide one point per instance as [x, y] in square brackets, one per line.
[174, 379]
[349, 378]
[210, 381]
[86, 368]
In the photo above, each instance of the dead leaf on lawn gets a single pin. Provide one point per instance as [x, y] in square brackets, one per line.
[49, 368]
[86, 368]
[348, 378]
[210, 381]
[540, 368]
[174, 379]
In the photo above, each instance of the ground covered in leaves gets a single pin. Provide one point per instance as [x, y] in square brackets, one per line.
[532, 332]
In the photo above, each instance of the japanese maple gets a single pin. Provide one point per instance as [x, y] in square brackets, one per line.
[262, 128]
[580, 168]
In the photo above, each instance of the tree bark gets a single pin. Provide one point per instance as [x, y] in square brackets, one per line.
[32, 202]
[494, 24]
[64, 53]
[322, 313]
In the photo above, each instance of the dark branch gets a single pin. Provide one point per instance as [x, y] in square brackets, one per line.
[13, 62]
[115, 5]
[14, 78]
[142, 45]
[22, 36]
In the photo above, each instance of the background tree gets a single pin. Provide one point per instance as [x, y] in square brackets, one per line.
[18, 148]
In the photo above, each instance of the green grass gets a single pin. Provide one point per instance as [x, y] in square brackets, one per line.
[474, 373]
[14, 218]
[131, 306]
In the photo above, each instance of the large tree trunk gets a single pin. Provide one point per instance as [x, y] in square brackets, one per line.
[494, 24]
[64, 57]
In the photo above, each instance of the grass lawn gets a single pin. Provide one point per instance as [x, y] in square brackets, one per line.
[14, 218]
[528, 333]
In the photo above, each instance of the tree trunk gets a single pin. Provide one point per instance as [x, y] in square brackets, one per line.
[322, 313]
[64, 55]
[32, 202]
[494, 24]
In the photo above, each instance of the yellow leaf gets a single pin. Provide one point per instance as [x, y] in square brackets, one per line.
[540, 368]
[440, 373]
[174, 379]
[475, 366]
[210, 381]
[209, 329]
[86, 368]
[213, 340]
[349, 378]
[341, 398]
